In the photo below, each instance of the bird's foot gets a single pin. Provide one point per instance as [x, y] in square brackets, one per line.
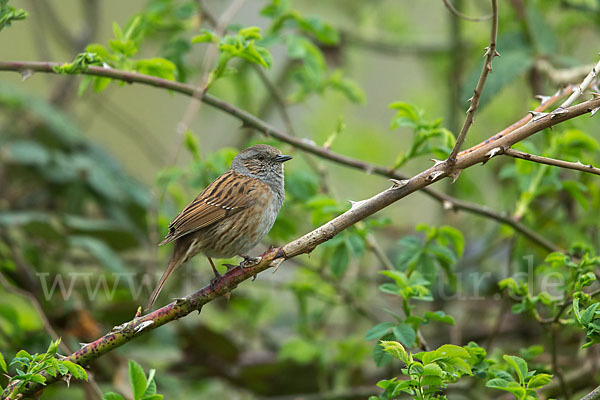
[250, 261]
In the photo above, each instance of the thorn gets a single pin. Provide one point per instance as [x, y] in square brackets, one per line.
[594, 74]
[580, 163]
[543, 99]
[309, 141]
[369, 169]
[437, 162]
[470, 99]
[199, 310]
[447, 205]
[179, 301]
[559, 112]
[118, 327]
[455, 174]
[143, 326]
[397, 184]
[227, 296]
[595, 94]
[594, 111]
[138, 313]
[355, 203]
[496, 54]
[580, 89]
[276, 263]
[83, 345]
[25, 74]
[434, 175]
[537, 115]
[493, 152]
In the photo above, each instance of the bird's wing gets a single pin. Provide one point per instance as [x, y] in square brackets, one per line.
[227, 195]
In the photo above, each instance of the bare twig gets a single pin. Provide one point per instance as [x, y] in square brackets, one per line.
[209, 56]
[551, 161]
[454, 11]
[490, 53]
[582, 86]
[562, 76]
[250, 120]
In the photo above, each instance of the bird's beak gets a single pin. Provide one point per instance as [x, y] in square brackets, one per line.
[281, 158]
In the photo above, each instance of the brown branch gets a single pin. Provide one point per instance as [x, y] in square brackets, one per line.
[252, 121]
[490, 53]
[551, 161]
[303, 245]
[454, 11]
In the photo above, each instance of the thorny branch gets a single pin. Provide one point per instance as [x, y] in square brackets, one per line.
[490, 53]
[551, 161]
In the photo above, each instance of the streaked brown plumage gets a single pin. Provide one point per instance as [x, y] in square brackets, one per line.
[232, 214]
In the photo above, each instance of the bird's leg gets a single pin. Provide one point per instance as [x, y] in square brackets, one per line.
[217, 277]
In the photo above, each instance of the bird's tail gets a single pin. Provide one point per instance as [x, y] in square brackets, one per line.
[174, 263]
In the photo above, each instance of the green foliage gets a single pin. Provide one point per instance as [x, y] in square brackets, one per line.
[524, 388]
[29, 368]
[143, 387]
[429, 138]
[242, 45]
[311, 76]
[8, 14]
[428, 372]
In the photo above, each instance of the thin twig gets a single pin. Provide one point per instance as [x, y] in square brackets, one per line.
[582, 86]
[454, 11]
[551, 161]
[448, 202]
[490, 53]
[555, 368]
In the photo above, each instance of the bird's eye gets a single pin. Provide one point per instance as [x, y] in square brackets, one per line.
[261, 157]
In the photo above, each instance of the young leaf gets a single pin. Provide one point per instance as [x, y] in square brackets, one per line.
[137, 379]
[519, 365]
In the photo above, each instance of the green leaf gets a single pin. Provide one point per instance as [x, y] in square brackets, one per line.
[2, 363]
[439, 316]
[137, 379]
[589, 313]
[205, 36]
[38, 379]
[339, 260]
[405, 334]
[395, 349]
[53, 347]
[112, 396]
[433, 369]
[100, 250]
[159, 67]
[380, 356]
[9, 14]
[539, 380]
[75, 369]
[519, 365]
[379, 330]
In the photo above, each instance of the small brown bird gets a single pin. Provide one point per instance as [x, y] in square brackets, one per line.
[232, 214]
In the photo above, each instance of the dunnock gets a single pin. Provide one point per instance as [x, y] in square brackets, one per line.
[232, 214]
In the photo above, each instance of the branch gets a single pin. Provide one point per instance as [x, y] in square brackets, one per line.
[490, 53]
[551, 161]
[593, 395]
[307, 243]
[449, 203]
